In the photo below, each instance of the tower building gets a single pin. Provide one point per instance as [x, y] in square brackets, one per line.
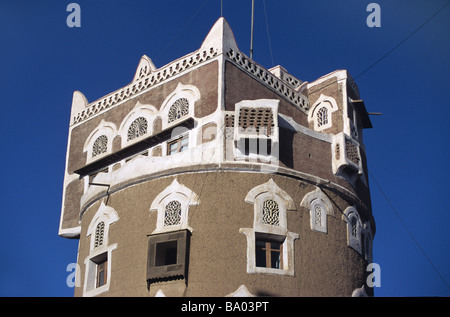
[214, 176]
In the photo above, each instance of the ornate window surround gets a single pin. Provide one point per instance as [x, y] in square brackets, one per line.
[368, 240]
[108, 216]
[107, 129]
[346, 158]
[324, 101]
[315, 199]
[256, 139]
[354, 228]
[190, 92]
[140, 110]
[174, 192]
[257, 196]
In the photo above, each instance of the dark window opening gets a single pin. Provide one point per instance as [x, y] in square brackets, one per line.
[269, 253]
[259, 146]
[166, 253]
[102, 271]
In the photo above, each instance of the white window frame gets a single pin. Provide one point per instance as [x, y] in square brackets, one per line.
[324, 101]
[351, 214]
[180, 193]
[318, 198]
[108, 129]
[256, 140]
[108, 215]
[257, 196]
[190, 92]
[140, 110]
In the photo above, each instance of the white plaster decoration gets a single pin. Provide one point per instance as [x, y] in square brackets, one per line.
[354, 228]
[269, 79]
[346, 158]
[144, 68]
[95, 143]
[108, 216]
[242, 291]
[360, 292]
[367, 242]
[320, 112]
[283, 74]
[104, 217]
[220, 37]
[319, 207]
[273, 227]
[147, 112]
[172, 206]
[256, 129]
[179, 104]
[270, 191]
[140, 85]
[79, 104]
[287, 241]
[160, 293]
[289, 123]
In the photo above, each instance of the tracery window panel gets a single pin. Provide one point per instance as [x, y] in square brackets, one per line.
[100, 145]
[322, 117]
[179, 109]
[271, 213]
[99, 234]
[137, 128]
[318, 214]
[172, 213]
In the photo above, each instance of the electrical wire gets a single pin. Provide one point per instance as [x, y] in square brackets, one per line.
[403, 41]
[409, 231]
[182, 28]
[268, 34]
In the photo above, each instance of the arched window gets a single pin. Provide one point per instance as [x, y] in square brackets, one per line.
[354, 228]
[97, 277]
[271, 213]
[99, 142]
[179, 109]
[137, 128]
[100, 145]
[320, 112]
[270, 246]
[319, 207]
[178, 105]
[172, 205]
[99, 234]
[322, 117]
[172, 213]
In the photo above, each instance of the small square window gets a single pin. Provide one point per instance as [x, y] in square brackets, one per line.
[168, 256]
[269, 253]
[101, 263]
[166, 253]
[178, 145]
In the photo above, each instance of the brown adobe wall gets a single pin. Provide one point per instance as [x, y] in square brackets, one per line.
[324, 264]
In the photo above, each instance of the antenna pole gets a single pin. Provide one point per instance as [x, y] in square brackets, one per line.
[251, 36]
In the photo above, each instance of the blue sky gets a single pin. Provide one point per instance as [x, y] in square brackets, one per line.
[42, 61]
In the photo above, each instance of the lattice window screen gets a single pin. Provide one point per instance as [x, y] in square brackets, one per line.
[351, 152]
[322, 117]
[256, 120]
[179, 109]
[137, 128]
[99, 234]
[172, 214]
[271, 213]
[100, 145]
